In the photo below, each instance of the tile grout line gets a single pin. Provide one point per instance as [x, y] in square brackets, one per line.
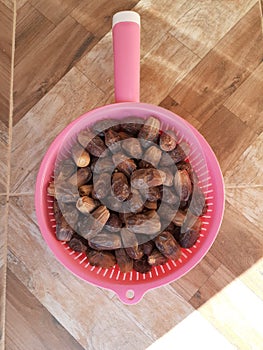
[9, 162]
[261, 12]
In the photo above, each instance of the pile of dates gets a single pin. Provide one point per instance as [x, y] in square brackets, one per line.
[127, 195]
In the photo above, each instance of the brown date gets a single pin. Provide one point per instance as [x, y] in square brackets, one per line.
[152, 194]
[65, 169]
[144, 178]
[151, 205]
[197, 204]
[80, 156]
[152, 155]
[123, 163]
[64, 231]
[77, 244]
[105, 241]
[130, 243]
[101, 259]
[86, 204]
[142, 265]
[182, 184]
[85, 190]
[148, 247]
[101, 185]
[114, 223]
[81, 177]
[120, 186]
[132, 147]
[150, 129]
[102, 166]
[168, 140]
[144, 223]
[124, 261]
[167, 245]
[180, 152]
[92, 143]
[132, 125]
[156, 258]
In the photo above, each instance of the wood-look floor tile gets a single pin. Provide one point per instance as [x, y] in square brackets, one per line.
[96, 16]
[207, 22]
[28, 323]
[8, 3]
[228, 136]
[71, 97]
[169, 61]
[157, 18]
[189, 284]
[249, 202]
[97, 64]
[6, 29]
[55, 10]
[169, 103]
[194, 332]
[223, 69]
[247, 170]
[247, 101]
[168, 316]
[3, 218]
[20, 3]
[239, 243]
[213, 285]
[2, 307]
[83, 310]
[31, 29]
[3, 240]
[236, 312]
[253, 278]
[51, 58]
[3, 157]
[165, 303]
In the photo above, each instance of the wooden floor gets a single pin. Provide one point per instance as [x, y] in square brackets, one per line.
[200, 59]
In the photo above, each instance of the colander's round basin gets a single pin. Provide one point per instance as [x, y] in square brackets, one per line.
[130, 287]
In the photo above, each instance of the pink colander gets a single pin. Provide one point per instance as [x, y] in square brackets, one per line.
[130, 287]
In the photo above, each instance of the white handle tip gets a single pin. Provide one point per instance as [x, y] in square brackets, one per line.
[126, 16]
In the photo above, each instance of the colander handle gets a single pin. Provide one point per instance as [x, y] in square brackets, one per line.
[126, 51]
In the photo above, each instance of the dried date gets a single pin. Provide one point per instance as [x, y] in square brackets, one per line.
[168, 140]
[167, 245]
[144, 178]
[120, 186]
[114, 223]
[150, 129]
[124, 164]
[183, 185]
[86, 204]
[78, 245]
[153, 155]
[101, 185]
[142, 265]
[64, 231]
[124, 261]
[102, 259]
[80, 156]
[105, 241]
[81, 177]
[130, 243]
[92, 143]
[132, 147]
[144, 223]
[156, 258]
